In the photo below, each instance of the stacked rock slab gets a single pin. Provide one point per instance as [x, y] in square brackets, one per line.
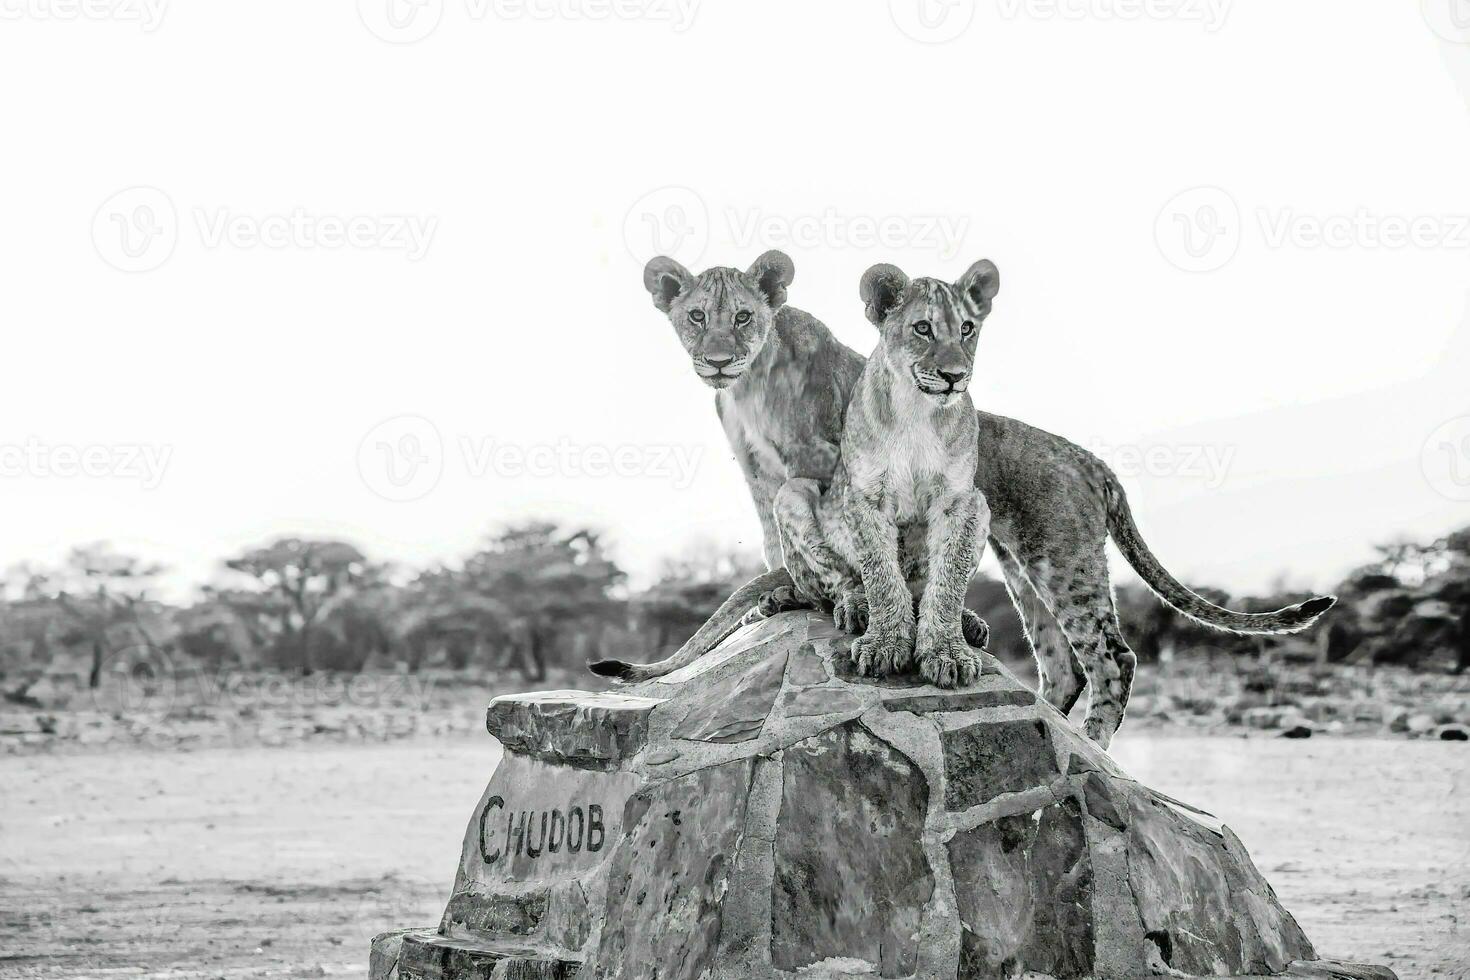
[765, 813]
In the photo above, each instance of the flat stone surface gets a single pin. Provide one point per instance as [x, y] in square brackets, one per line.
[1024, 886]
[852, 817]
[807, 669]
[667, 878]
[808, 702]
[578, 728]
[963, 701]
[735, 708]
[988, 759]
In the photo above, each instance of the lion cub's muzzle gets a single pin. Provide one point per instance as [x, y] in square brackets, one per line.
[720, 372]
[941, 384]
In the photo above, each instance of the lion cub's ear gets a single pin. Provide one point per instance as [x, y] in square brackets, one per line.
[882, 289]
[665, 279]
[772, 273]
[980, 283]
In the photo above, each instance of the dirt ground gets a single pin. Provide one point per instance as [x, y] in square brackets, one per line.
[283, 862]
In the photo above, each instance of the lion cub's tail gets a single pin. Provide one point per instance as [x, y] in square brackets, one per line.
[724, 622]
[1197, 607]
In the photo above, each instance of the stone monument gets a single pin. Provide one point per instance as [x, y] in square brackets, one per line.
[766, 813]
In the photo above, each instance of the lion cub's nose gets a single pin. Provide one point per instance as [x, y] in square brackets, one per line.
[953, 377]
[718, 362]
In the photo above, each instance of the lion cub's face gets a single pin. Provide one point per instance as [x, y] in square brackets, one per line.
[722, 316]
[929, 328]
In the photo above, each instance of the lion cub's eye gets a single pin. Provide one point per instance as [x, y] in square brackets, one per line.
[742, 318]
[696, 316]
[924, 328]
[967, 328]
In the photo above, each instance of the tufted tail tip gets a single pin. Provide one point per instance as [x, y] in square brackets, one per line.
[616, 669]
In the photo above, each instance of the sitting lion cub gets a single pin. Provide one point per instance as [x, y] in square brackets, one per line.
[902, 511]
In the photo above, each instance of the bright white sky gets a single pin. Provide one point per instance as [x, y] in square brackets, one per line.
[1290, 392]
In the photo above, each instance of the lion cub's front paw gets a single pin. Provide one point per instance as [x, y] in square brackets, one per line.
[783, 598]
[946, 661]
[976, 630]
[881, 654]
[850, 612]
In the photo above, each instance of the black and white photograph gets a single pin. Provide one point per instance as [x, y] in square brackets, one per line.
[714, 490]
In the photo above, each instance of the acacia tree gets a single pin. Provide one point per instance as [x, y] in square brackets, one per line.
[296, 580]
[101, 592]
[547, 584]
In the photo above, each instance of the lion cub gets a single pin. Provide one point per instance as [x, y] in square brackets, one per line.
[902, 524]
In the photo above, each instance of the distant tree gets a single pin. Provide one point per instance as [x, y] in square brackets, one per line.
[689, 588]
[295, 581]
[102, 592]
[547, 585]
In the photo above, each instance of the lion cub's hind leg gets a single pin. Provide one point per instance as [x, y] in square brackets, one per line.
[820, 575]
[1061, 676]
[1082, 602]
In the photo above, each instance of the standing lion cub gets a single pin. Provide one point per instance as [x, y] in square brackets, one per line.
[902, 513]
